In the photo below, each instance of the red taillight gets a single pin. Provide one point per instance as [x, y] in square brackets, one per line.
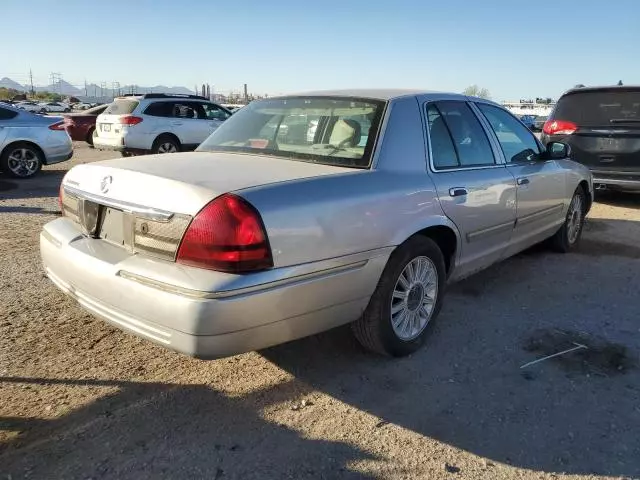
[130, 120]
[559, 127]
[57, 126]
[226, 235]
[60, 195]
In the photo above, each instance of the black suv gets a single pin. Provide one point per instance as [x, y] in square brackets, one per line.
[602, 126]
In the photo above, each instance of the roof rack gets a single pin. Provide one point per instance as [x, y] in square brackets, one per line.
[164, 95]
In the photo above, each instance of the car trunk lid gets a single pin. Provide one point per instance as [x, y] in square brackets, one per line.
[145, 204]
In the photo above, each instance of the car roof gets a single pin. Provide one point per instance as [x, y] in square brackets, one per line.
[603, 88]
[372, 93]
[384, 94]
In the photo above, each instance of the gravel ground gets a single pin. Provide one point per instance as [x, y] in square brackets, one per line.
[80, 399]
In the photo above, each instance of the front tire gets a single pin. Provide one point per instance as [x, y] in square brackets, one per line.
[21, 160]
[568, 237]
[406, 301]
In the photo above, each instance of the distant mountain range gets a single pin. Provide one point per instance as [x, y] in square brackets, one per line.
[93, 90]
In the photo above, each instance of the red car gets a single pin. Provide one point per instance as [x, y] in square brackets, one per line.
[80, 126]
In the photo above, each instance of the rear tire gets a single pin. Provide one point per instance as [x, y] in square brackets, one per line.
[90, 136]
[21, 160]
[165, 144]
[406, 301]
[568, 237]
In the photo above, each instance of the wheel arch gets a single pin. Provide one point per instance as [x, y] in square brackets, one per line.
[443, 232]
[43, 157]
[167, 134]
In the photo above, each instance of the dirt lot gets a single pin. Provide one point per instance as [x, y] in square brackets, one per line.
[79, 399]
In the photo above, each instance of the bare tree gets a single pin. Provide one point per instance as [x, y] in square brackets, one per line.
[476, 91]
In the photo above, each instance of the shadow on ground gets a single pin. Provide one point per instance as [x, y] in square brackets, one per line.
[46, 183]
[158, 430]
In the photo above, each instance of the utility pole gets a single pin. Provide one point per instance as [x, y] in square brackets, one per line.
[85, 88]
[115, 87]
[56, 80]
[31, 81]
[246, 95]
[208, 92]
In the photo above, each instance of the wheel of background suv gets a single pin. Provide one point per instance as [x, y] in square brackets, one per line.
[165, 144]
[21, 160]
[91, 134]
[407, 299]
[568, 237]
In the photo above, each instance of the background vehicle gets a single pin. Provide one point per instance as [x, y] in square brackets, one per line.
[261, 237]
[528, 120]
[602, 126]
[54, 107]
[157, 123]
[81, 126]
[28, 141]
[538, 123]
[29, 106]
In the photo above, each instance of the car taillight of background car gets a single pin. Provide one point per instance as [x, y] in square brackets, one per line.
[559, 127]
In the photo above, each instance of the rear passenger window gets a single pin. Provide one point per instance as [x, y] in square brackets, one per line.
[159, 109]
[516, 141]
[457, 137]
[184, 110]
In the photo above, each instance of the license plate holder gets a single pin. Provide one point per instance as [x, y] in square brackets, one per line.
[106, 127]
[112, 227]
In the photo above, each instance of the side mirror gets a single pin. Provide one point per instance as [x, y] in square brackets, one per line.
[558, 151]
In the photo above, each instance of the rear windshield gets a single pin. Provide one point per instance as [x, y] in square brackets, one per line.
[599, 107]
[121, 107]
[329, 130]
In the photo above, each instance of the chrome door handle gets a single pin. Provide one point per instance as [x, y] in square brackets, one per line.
[522, 181]
[457, 191]
[176, 123]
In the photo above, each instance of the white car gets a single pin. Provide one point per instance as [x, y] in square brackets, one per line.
[47, 107]
[157, 123]
[29, 107]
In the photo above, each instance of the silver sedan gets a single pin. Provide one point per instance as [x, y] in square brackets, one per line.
[268, 233]
[29, 141]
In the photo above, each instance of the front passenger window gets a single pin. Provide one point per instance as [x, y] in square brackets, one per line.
[516, 141]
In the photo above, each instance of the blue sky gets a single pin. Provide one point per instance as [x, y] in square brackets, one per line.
[514, 48]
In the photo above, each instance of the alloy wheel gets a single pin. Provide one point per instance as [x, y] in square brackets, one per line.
[414, 298]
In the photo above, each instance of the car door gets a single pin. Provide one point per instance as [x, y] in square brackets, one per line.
[184, 123]
[214, 115]
[541, 184]
[474, 187]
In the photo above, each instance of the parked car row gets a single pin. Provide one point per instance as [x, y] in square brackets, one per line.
[273, 230]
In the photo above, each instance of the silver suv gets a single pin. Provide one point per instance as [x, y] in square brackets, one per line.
[157, 123]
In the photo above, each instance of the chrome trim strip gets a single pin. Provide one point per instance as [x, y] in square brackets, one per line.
[532, 217]
[225, 294]
[139, 210]
[485, 232]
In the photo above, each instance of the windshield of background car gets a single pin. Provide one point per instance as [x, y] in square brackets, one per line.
[329, 130]
[600, 108]
[121, 107]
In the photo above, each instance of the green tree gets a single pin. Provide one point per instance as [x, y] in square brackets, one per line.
[476, 91]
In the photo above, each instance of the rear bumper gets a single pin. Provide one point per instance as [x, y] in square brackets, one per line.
[616, 180]
[267, 309]
[112, 144]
